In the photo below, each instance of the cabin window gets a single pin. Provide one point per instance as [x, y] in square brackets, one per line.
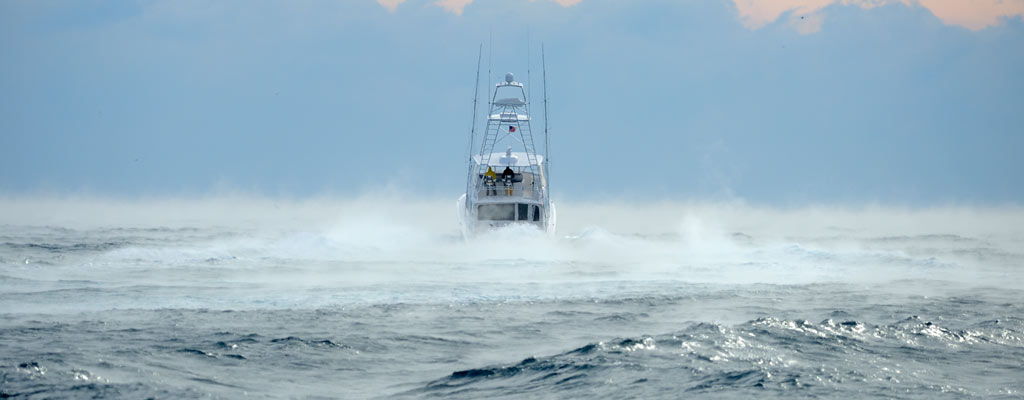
[496, 212]
[536, 213]
[523, 210]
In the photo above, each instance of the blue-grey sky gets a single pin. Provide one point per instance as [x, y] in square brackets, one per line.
[777, 101]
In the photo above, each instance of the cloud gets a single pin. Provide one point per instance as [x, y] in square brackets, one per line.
[974, 15]
[456, 6]
[805, 16]
[453, 6]
[391, 5]
[755, 14]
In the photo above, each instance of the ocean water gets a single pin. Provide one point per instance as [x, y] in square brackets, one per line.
[373, 297]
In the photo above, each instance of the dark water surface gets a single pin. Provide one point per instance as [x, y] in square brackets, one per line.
[227, 312]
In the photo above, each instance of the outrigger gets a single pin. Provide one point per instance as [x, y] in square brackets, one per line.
[507, 183]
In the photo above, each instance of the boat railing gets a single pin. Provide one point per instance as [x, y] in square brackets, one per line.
[516, 190]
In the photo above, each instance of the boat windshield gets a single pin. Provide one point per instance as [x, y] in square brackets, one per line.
[497, 212]
[507, 212]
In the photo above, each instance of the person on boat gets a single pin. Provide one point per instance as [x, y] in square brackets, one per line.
[508, 176]
[490, 179]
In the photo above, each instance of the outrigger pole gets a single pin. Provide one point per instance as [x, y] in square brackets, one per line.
[547, 138]
[472, 129]
[490, 44]
[529, 85]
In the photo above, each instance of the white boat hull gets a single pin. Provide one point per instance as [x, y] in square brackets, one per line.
[470, 225]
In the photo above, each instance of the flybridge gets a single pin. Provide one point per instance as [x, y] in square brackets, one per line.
[507, 180]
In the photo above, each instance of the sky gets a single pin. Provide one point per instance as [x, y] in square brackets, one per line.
[777, 102]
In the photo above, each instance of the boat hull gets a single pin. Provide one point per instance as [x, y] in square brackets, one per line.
[471, 222]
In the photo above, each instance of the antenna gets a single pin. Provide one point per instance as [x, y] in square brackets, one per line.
[472, 128]
[547, 138]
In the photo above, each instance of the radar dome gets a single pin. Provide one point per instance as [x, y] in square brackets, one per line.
[508, 77]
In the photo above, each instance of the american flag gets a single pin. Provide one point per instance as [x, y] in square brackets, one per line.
[511, 129]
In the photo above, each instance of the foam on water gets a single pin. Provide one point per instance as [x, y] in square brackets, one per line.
[381, 296]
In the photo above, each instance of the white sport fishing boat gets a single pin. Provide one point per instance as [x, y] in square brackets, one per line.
[508, 179]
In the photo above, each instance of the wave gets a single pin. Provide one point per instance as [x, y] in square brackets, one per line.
[763, 357]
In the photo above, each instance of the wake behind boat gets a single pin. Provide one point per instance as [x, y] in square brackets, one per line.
[507, 183]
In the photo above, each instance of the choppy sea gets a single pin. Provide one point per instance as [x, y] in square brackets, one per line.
[340, 302]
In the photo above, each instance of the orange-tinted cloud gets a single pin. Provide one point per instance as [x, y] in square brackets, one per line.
[391, 5]
[806, 15]
[456, 6]
[453, 6]
[974, 15]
